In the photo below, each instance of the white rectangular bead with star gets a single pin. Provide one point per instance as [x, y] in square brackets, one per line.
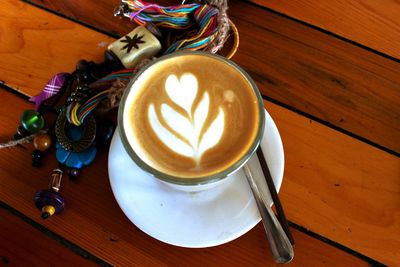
[137, 45]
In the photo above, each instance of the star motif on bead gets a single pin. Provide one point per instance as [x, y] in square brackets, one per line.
[132, 42]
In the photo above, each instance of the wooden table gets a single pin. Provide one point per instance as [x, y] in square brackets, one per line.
[330, 77]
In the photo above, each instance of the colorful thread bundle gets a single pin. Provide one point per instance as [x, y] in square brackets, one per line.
[76, 112]
[176, 17]
[203, 17]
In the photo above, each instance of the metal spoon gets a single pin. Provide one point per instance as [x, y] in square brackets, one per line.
[281, 248]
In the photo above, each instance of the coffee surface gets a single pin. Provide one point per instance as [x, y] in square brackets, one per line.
[191, 116]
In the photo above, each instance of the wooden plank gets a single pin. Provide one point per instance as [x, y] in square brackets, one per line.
[374, 24]
[332, 80]
[36, 44]
[22, 245]
[312, 72]
[94, 221]
[339, 187]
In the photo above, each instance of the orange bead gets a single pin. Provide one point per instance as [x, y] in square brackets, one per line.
[42, 142]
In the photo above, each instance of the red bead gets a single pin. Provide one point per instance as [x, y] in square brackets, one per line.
[42, 142]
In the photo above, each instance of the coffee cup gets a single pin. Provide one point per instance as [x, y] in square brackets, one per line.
[191, 119]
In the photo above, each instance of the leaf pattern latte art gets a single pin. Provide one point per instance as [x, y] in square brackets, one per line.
[183, 92]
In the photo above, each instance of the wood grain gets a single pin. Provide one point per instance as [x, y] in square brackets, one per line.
[334, 185]
[312, 72]
[94, 221]
[339, 187]
[22, 245]
[374, 24]
[34, 45]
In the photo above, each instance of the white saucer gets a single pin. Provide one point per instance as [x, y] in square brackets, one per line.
[202, 219]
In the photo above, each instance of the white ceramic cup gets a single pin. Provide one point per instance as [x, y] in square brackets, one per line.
[196, 183]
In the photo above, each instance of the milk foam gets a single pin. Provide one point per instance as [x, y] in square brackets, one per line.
[183, 119]
[188, 137]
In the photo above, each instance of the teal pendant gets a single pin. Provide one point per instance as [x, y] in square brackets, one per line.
[73, 159]
[32, 121]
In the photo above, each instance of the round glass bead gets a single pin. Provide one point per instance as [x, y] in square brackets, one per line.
[32, 121]
[73, 173]
[21, 131]
[112, 61]
[37, 157]
[37, 164]
[17, 136]
[104, 132]
[42, 142]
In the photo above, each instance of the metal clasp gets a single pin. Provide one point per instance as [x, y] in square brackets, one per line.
[122, 10]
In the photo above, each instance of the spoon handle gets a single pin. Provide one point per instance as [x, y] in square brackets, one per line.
[281, 248]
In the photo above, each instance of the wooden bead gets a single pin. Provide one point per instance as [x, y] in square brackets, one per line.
[137, 45]
[42, 142]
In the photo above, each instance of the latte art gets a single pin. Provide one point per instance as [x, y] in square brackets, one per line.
[187, 137]
[190, 116]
